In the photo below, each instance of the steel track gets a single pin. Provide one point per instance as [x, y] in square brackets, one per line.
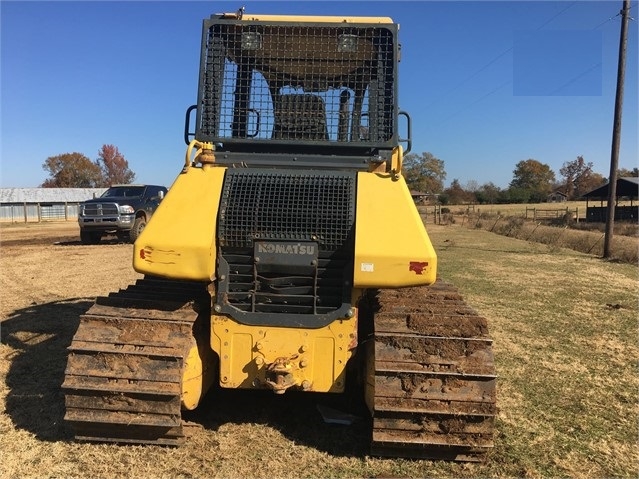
[431, 376]
[123, 380]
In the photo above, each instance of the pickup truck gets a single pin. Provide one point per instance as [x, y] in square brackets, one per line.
[123, 210]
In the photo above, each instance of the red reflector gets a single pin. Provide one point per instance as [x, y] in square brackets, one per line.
[417, 266]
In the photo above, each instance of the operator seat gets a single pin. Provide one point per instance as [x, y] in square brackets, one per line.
[300, 117]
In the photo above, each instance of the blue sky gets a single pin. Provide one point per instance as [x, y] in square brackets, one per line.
[487, 84]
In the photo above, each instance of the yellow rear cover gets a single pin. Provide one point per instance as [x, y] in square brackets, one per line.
[392, 248]
[179, 241]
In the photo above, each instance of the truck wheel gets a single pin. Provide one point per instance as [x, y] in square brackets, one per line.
[90, 237]
[138, 226]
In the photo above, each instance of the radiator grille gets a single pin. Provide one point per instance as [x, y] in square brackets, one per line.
[288, 207]
[318, 293]
[292, 82]
[285, 205]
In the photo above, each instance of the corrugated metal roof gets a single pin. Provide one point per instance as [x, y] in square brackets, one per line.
[48, 195]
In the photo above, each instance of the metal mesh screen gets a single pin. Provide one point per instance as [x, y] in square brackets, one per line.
[298, 83]
[293, 206]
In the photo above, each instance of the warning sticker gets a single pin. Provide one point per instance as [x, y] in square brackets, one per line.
[368, 267]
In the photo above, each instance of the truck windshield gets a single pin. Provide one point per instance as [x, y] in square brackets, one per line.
[123, 191]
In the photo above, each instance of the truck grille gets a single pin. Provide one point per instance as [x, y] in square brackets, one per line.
[100, 209]
[287, 208]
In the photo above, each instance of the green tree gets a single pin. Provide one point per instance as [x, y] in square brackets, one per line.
[625, 172]
[114, 167]
[71, 170]
[488, 193]
[424, 172]
[534, 177]
[515, 194]
[456, 194]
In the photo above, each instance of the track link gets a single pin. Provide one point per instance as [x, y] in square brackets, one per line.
[432, 380]
[123, 381]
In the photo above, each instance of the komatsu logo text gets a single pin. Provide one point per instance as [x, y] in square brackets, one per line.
[286, 248]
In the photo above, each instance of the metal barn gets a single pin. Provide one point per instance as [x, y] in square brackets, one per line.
[31, 205]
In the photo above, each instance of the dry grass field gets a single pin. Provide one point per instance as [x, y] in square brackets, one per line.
[565, 331]
[555, 226]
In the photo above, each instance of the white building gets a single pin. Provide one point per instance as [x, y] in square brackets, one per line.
[22, 205]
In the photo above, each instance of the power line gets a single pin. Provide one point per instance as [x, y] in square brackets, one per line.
[613, 17]
[473, 75]
[605, 21]
[569, 82]
[556, 15]
[596, 65]
[574, 79]
[463, 82]
[470, 105]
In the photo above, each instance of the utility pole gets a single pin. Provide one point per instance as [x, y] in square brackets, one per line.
[616, 130]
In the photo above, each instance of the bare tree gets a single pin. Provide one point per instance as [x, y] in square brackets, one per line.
[576, 174]
[114, 167]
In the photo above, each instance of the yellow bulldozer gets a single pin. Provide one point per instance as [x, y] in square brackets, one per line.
[289, 255]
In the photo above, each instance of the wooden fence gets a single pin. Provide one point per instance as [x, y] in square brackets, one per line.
[554, 213]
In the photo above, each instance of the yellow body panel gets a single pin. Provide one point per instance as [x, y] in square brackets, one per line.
[392, 248]
[309, 18]
[315, 358]
[179, 241]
